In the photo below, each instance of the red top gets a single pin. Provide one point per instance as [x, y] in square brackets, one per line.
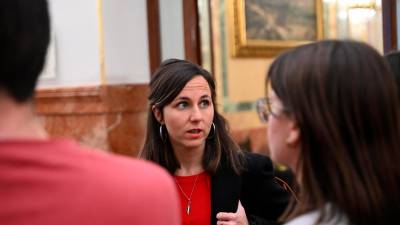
[200, 206]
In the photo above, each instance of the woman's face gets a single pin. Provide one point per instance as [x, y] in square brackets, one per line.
[189, 117]
[283, 134]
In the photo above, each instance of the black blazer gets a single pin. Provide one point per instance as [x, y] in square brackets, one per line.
[262, 198]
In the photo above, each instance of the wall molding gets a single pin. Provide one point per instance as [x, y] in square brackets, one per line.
[92, 99]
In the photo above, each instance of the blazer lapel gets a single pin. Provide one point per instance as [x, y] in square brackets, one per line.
[225, 192]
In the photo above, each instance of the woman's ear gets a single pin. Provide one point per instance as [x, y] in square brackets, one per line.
[293, 142]
[293, 138]
[157, 114]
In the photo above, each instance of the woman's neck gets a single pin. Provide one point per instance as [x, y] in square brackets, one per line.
[189, 170]
[190, 160]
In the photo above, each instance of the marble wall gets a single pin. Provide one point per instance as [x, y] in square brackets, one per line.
[111, 117]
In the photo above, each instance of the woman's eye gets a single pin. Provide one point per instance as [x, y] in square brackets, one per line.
[182, 105]
[204, 103]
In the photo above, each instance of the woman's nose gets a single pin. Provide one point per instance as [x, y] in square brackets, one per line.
[196, 114]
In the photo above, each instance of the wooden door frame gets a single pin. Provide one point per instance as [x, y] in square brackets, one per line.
[191, 31]
[153, 30]
[389, 20]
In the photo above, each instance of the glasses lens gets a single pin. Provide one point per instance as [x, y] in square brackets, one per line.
[261, 105]
[268, 107]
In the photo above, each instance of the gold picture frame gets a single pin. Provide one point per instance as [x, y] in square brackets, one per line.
[272, 40]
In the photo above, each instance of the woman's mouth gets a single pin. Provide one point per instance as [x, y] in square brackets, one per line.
[194, 133]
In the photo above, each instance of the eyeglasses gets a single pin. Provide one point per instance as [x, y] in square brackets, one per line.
[264, 109]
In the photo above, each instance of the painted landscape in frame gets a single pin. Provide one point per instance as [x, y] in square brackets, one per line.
[263, 28]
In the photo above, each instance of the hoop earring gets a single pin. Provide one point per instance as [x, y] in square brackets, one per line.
[161, 133]
[213, 133]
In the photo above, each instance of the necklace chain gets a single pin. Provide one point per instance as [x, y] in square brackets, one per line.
[189, 199]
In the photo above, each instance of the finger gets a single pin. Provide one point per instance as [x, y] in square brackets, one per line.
[225, 223]
[240, 207]
[241, 215]
[226, 216]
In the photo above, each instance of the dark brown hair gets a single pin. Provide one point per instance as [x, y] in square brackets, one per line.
[343, 98]
[24, 36]
[166, 83]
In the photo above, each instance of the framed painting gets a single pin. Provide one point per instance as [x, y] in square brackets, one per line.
[264, 28]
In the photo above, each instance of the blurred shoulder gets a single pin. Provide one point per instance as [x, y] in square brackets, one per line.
[130, 168]
[313, 216]
[90, 166]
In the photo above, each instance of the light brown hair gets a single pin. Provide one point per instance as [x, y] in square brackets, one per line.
[343, 98]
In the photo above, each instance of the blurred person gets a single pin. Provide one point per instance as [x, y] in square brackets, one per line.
[56, 182]
[333, 118]
[217, 182]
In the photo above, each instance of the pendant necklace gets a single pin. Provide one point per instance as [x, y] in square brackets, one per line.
[189, 199]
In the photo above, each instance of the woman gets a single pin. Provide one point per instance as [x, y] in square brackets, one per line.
[187, 136]
[334, 120]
